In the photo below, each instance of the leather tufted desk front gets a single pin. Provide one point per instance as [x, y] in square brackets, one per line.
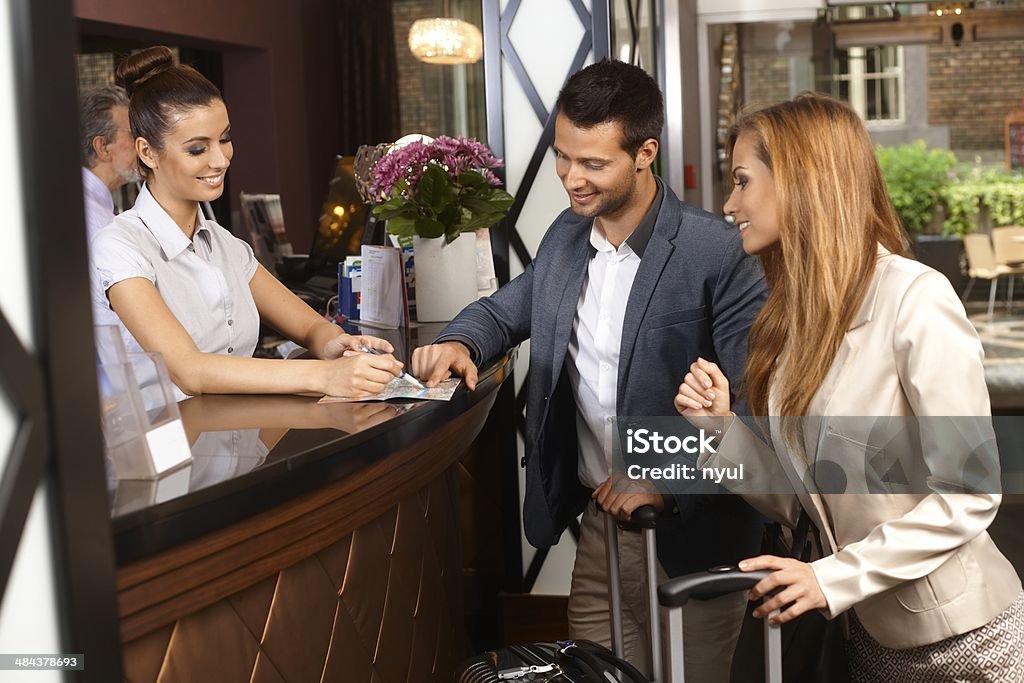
[306, 543]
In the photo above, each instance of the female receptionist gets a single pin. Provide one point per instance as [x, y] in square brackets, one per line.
[183, 285]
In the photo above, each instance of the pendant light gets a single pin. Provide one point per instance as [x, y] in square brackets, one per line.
[445, 41]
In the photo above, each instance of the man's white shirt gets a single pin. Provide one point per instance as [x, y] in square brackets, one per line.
[99, 204]
[594, 350]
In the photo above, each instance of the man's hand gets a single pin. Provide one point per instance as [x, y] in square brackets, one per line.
[620, 497]
[797, 585]
[436, 362]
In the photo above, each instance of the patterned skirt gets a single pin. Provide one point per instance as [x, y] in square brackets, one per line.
[993, 653]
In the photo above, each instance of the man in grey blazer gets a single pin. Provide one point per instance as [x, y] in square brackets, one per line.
[629, 286]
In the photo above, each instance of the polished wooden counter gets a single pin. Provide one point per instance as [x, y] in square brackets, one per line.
[305, 541]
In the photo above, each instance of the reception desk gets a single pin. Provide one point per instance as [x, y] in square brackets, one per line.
[305, 542]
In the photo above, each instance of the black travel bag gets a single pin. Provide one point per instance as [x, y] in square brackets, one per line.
[574, 661]
[588, 662]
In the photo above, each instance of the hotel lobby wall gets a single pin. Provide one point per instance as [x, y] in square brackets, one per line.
[279, 84]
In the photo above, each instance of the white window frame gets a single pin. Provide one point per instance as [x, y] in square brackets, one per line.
[860, 80]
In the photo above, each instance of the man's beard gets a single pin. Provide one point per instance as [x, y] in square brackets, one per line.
[610, 201]
[130, 174]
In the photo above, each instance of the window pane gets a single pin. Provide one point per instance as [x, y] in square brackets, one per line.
[843, 91]
[841, 64]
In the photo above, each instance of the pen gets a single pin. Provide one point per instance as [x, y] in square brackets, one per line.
[406, 376]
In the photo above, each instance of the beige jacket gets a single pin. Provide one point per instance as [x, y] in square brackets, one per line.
[917, 567]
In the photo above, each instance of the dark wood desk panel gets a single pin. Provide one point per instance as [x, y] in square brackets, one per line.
[340, 549]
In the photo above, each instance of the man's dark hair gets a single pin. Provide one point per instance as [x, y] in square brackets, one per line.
[615, 91]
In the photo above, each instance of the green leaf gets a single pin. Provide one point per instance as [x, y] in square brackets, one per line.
[452, 215]
[388, 212]
[502, 200]
[472, 179]
[435, 189]
[451, 233]
[498, 201]
[482, 220]
[428, 227]
[402, 226]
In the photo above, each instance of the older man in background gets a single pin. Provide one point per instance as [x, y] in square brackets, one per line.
[108, 153]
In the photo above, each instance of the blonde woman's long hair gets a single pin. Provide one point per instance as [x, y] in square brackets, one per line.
[832, 211]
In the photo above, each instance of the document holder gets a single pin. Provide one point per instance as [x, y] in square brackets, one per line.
[143, 435]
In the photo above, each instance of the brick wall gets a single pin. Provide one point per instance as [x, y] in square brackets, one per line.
[765, 79]
[420, 85]
[971, 88]
[94, 70]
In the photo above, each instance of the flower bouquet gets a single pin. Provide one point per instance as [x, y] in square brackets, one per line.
[438, 189]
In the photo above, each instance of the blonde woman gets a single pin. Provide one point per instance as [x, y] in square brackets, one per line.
[852, 327]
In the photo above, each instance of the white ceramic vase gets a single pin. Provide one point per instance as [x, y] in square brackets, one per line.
[445, 276]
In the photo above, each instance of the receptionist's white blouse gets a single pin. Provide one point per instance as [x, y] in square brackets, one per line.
[203, 281]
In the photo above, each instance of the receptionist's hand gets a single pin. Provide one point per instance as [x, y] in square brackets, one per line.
[359, 374]
[704, 392]
[436, 362]
[336, 347]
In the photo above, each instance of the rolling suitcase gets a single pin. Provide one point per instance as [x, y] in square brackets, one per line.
[706, 585]
[576, 661]
[673, 595]
[587, 662]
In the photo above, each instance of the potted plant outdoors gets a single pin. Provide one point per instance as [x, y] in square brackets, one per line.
[982, 199]
[433, 192]
[916, 178]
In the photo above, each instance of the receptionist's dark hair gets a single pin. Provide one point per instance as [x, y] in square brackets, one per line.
[615, 91]
[159, 92]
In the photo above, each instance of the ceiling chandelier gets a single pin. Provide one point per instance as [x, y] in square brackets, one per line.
[445, 41]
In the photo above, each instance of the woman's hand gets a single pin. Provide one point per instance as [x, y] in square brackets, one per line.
[797, 585]
[359, 374]
[336, 347]
[704, 392]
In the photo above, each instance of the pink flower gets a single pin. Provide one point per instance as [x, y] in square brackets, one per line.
[455, 155]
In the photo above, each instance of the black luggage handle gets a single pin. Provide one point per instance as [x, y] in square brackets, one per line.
[706, 585]
[644, 517]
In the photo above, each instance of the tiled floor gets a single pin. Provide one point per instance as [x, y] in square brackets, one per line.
[1003, 339]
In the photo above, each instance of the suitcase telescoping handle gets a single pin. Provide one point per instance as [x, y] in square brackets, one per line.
[643, 518]
[706, 585]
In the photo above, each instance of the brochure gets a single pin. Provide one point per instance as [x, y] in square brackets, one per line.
[399, 388]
